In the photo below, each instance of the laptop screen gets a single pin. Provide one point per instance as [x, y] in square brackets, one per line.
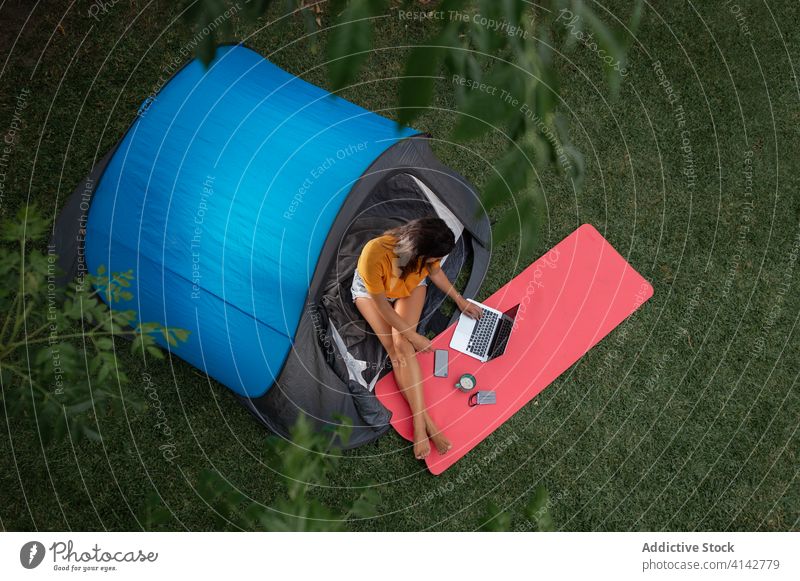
[512, 312]
[502, 333]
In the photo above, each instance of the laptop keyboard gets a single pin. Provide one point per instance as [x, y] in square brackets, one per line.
[482, 333]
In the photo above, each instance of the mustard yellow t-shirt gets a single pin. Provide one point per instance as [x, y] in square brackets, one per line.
[378, 268]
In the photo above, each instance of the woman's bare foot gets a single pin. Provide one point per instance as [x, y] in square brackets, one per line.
[441, 442]
[421, 446]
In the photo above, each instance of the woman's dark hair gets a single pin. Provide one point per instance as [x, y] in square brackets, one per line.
[422, 239]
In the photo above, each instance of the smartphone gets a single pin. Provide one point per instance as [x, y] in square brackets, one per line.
[440, 363]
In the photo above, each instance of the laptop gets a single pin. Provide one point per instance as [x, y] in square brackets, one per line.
[484, 338]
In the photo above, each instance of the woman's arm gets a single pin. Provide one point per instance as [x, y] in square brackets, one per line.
[419, 342]
[443, 283]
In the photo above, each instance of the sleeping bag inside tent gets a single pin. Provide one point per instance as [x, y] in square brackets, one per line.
[241, 196]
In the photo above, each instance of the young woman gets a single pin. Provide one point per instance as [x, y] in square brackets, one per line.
[389, 288]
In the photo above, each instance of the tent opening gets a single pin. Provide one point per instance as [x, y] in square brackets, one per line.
[353, 351]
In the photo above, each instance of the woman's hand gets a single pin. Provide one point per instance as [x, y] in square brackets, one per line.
[470, 309]
[420, 342]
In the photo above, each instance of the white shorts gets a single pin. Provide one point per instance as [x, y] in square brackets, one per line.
[357, 289]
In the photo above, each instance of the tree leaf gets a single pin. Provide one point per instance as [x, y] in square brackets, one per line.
[524, 222]
[614, 49]
[416, 88]
[206, 49]
[91, 434]
[165, 332]
[155, 352]
[79, 407]
[495, 519]
[104, 343]
[510, 176]
[181, 334]
[489, 104]
[366, 505]
[350, 42]
[537, 510]
[28, 225]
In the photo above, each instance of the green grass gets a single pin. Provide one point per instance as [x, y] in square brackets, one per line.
[628, 438]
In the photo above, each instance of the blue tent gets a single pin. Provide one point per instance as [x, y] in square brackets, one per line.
[230, 197]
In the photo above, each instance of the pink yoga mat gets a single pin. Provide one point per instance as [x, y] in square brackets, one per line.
[569, 299]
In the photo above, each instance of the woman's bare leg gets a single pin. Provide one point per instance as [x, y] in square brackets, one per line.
[410, 309]
[383, 331]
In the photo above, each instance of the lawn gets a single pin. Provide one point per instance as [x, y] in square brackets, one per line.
[683, 418]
